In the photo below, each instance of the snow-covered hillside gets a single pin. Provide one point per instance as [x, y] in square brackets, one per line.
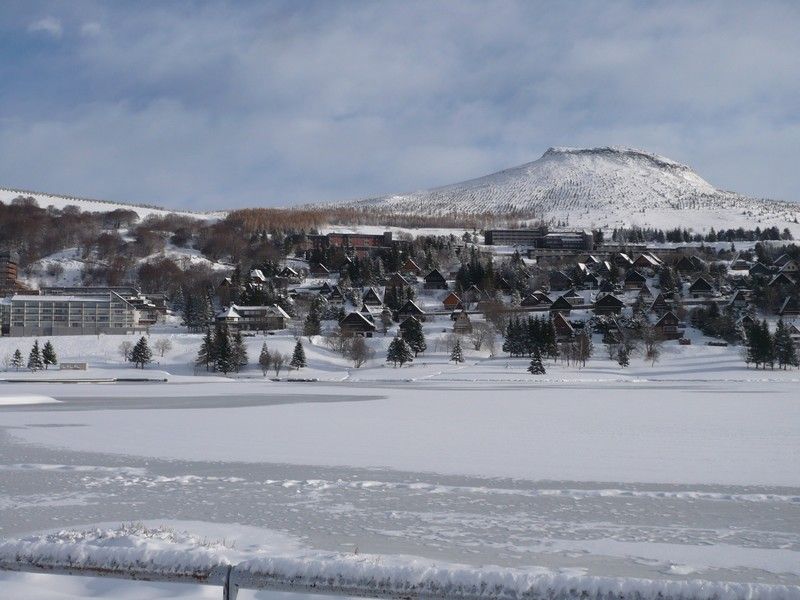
[599, 187]
[60, 201]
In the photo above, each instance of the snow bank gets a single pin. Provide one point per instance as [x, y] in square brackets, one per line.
[133, 548]
[28, 399]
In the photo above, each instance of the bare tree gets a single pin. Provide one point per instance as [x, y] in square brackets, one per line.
[652, 344]
[278, 362]
[481, 332]
[359, 352]
[162, 345]
[125, 349]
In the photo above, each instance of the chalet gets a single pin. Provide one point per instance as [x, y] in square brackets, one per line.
[607, 287]
[451, 301]
[794, 333]
[289, 273]
[560, 280]
[573, 297]
[405, 323]
[257, 276]
[318, 270]
[366, 312]
[608, 304]
[790, 307]
[410, 309]
[563, 328]
[325, 289]
[689, 264]
[397, 282]
[435, 281]
[603, 268]
[667, 326]
[504, 286]
[531, 300]
[591, 281]
[253, 318]
[701, 288]
[660, 305]
[590, 259]
[759, 268]
[746, 322]
[371, 298]
[409, 266]
[475, 294]
[561, 306]
[740, 299]
[782, 260]
[542, 296]
[646, 261]
[739, 264]
[623, 260]
[356, 324]
[781, 280]
[634, 280]
[790, 266]
[645, 292]
[336, 296]
[462, 323]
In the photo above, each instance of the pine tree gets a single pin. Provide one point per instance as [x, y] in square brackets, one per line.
[623, 356]
[265, 359]
[767, 346]
[206, 352]
[238, 352]
[536, 367]
[141, 354]
[785, 352]
[312, 324]
[223, 351]
[35, 362]
[399, 352]
[413, 335]
[457, 355]
[298, 356]
[16, 360]
[49, 355]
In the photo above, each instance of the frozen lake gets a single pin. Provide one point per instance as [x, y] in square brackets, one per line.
[678, 480]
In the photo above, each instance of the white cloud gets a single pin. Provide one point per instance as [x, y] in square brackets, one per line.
[90, 28]
[48, 25]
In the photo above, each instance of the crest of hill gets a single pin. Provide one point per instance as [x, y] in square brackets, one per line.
[59, 201]
[597, 187]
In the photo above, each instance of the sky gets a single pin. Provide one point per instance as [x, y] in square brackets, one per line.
[210, 105]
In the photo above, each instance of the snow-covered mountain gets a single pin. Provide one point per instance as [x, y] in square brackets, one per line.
[598, 187]
[89, 205]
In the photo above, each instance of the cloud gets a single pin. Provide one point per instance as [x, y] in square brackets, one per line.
[219, 104]
[48, 25]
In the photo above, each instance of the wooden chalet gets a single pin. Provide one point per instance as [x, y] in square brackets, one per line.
[563, 328]
[782, 260]
[318, 270]
[504, 286]
[607, 287]
[560, 280]
[646, 261]
[591, 281]
[561, 306]
[634, 280]
[462, 323]
[645, 292]
[781, 280]
[451, 301]
[790, 266]
[667, 326]
[701, 288]
[397, 282]
[372, 298]
[356, 324]
[790, 307]
[366, 312]
[336, 296]
[608, 304]
[411, 267]
[573, 297]
[325, 288]
[688, 264]
[406, 323]
[257, 276]
[660, 305]
[435, 281]
[740, 299]
[410, 309]
[288, 272]
[759, 268]
[623, 260]
[746, 321]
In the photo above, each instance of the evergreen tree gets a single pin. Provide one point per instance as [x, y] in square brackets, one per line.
[457, 355]
[205, 356]
[141, 354]
[298, 356]
[413, 335]
[785, 352]
[313, 322]
[238, 352]
[549, 338]
[536, 367]
[265, 359]
[35, 362]
[224, 360]
[623, 356]
[49, 355]
[399, 352]
[16, 360]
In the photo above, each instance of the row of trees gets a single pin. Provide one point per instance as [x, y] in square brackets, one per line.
[38, 359]
[222, 350]
[523, 336]
[764, 348]
[276, 361]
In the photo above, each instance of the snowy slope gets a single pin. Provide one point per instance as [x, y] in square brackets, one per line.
[60, 201]
[608, 186]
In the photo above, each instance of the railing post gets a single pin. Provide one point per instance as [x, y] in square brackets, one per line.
[229, 590]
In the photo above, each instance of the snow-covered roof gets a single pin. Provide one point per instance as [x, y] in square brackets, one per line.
[57, 298]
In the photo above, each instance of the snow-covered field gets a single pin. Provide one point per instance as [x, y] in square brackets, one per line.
[682, 471]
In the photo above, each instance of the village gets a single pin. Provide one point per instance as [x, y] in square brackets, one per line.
[466, 293]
